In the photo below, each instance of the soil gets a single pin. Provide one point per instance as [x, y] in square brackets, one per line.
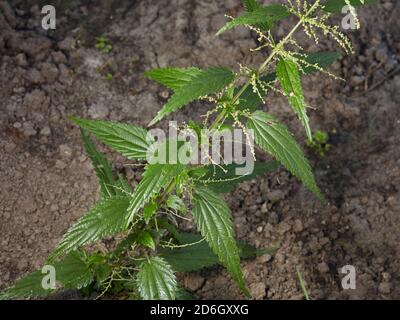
[47, 181]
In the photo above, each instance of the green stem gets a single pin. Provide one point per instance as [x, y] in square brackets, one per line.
[166, 192]
[218, 119]
[277, 48]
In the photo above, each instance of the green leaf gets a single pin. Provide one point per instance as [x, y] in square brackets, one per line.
[149, 210]
[254, 5]
[189, 258]
[206, 82]
[173, 78]
[155, 177]
[124, 245]
[74, 272]
[108, 186]
[335, 6]
[156, 280]
[224, 178]
[127, 139]
[176, 203]
[250, 100]
[194, 255]
[275, 139]
[122, 186]
[145, 239]
[164, 223]
[251, 5]
[267, 14]
[28, 286]
[107, 217]
[101, 167]
[289, 77]
[214, 222]
[182, 294]
[322, 59]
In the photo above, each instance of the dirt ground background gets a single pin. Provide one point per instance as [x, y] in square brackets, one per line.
[46, 181]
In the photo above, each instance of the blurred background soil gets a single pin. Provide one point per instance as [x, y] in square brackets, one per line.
[47, 183]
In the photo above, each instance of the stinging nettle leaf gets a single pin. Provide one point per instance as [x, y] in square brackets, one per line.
[173, 78]
[149, 210]
[250, 100]
[129, 140]
[322, 59]
[73, 273]
[214, 221]
[336, 6]
[101, 167]
[265, 16]
[155, 177]
[176, 203]
[156, 280]
[251, 5]
[275, 139]
[145, 239]
[224, 178]
[107, 217]
[289, 77]
[195, 255]
[28, 286]
[207, 82]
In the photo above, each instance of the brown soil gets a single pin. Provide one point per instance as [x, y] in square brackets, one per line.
[47, 181]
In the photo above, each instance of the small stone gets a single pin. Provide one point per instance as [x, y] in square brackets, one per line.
[34, 76]
[28, 205]
[264, 208]
[298, 226]
[59, 57]
[67, 44]
[36, 100]
[60, 164]
[259, 229]
[65, 151]
[275, 195]
[265, 258]
[28, 129]
[9, 147]
[284, 227]
[257, 290]
[385, 287]
[392, 201]
[21, 60]
[98, 111]
[194, 282]
[164, 94]
[45, 131]
[357, 80]
[323, 241]
[323, 267]
[273, 218]
[388, 6]
[49, 72]
[280, 258]
[22, 264]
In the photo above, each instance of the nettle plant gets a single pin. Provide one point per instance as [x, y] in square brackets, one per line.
[147, 247]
